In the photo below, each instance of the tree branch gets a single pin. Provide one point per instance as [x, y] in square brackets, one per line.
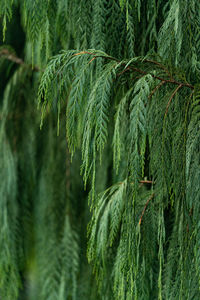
[12, 57]
[146, 181]
[172, 96]
[171, 80]
[156, 88]
[145, 207]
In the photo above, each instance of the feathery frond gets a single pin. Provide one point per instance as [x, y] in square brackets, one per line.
[118, 94]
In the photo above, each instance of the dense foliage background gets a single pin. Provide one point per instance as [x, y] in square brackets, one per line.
[100, 149]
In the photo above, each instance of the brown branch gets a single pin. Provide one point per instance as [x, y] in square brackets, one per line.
[92, 59]
[12, 57]
[142, 182]
[146, 181]
[172, 96]
[145, 207]
[171, 80]
[157, 64]
[122, 72]
[156, 88]
[5, 53]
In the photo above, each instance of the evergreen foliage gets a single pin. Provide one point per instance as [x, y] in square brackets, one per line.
[110, 89]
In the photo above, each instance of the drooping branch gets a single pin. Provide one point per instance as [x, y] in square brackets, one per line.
[172, 96]
[156, 88]
[145, 207]
[158, 64]
[170, 80]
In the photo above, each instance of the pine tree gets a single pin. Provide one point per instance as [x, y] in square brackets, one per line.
[100, 150]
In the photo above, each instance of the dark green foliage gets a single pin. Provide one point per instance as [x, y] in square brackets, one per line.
[109, 89]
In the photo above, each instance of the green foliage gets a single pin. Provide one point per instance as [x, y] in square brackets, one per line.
[116, 84]
[6, 13]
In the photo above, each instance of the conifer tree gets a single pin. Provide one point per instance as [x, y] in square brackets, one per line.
[100, 150]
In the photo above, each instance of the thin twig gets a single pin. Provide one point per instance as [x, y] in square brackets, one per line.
[122, 72]
[156, 88]
[145, 207]
[146, 181]
[158, 64]
[173, 81]
[92, 59]
[141, 181]
[172, 96]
